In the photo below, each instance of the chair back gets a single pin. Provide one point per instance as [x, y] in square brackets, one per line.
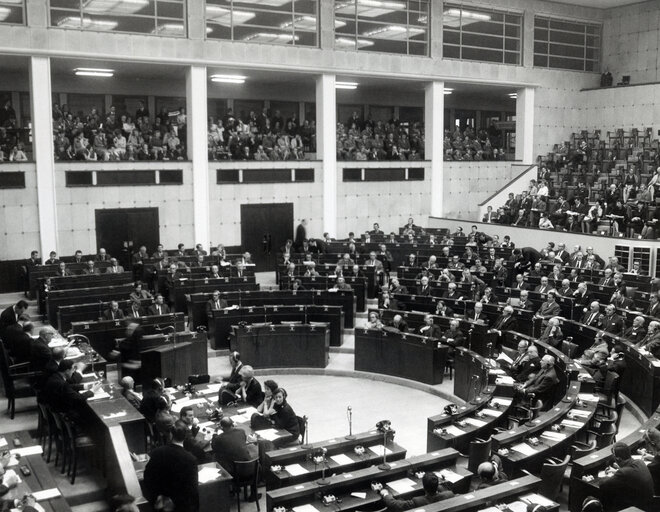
[581, 451]
[7, 381]
[568, 348]
[247, 471]
[606, 437]
[302, 426]
[198, 379]
[479, 452]
[551, 478]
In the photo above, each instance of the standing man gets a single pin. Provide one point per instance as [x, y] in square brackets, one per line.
[10, 315]
[301, 235]
[171, 473]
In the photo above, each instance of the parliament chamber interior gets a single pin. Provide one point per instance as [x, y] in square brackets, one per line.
[344, 255]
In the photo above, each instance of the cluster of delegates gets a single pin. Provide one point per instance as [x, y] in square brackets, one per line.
[262, 137]
[378, 140]
[116, 136]
[171, 472]
[11, 147]
[473, 146]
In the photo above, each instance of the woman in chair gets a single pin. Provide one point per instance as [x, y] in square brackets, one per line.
[283, 418]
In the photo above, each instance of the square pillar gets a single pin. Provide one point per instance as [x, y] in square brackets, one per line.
[197, 145]
[42, 141]
[434, 112]
[525, 125]
[326, 147]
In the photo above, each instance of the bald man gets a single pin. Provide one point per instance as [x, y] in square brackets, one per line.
[544, 383]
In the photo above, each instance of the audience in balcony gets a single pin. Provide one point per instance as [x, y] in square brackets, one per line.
[377, 140]
[470, 146]
[261, 138]
[118, 136]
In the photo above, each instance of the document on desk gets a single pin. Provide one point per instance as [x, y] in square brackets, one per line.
[517, 506]
[180, 404]
[448, 475]
[378, 449]
[207, 474]
[305, 508]
[524, 448]
[101, 393]
[211, 388]
[572, 423]
[475, 422]
[269, 434]
[342, 459]
[453, 430]
[553, 436]
[504, 380]
[496, 371]
[503, 402]
[46, 494]
[27, 450]
[537, 499]
[3, 442]
[295, 469]
[402, 485]
[580, 413]
[588, 397]
[494, 413]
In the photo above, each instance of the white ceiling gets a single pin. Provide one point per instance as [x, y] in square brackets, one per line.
[599, 4]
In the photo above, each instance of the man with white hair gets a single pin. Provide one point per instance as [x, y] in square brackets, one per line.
[652, 335]
[636, 332]
[40, 352]
[453, 337]
[544, 383]
[399, 324]
[552, 334]
[611, 322]
[591, 317]
[505, 322]
[544, 287]
[528, 366]
[581, 295]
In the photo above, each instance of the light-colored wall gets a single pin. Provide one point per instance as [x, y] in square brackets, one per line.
[467, 184]
[631, 40]
[76, 206]
[523, 174]
[19, 215]
[631, 107]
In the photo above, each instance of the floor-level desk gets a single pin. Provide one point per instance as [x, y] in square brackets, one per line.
[175, 360]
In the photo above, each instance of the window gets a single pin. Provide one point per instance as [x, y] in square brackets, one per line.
[481, 34]
[562, 44]
[285, 22]
[157, 17]
[397, 26]
[12, 12]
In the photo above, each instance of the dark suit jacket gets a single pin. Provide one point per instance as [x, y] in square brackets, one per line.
[482, 316]
[17, 342]
[653, 310]
[165, 310]
[131, 314]
[7, 318]
[522, 371]
[39, 354]
[94, 271]
[630, 486]
[434, 331]
[634, 334]
[543, 385]
[172, 472]
[230, 447]
[522, 286]
[582, 300]
[654, 469]
[613, 324]
[210, 306]
[107, 315]
[506, 324]
[63, 397]
[456, 337]
[403, 326]
[423, 292]
[594, 322]
[399, 505]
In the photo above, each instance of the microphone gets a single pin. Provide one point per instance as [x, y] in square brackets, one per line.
[349, 413]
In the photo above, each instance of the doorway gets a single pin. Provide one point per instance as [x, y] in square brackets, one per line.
[121, 231]
[264, 229]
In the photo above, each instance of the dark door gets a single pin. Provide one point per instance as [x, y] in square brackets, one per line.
[121, 231]
[264, 229]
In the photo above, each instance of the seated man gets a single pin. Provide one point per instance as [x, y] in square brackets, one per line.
[490, 474]
[477, 314]
[631, 485]
[399, 324]
[505, 322]
[429, 328]
[424, 289]
[215, 303]
[611, 322]
[552, 334]
[159, 307]
[592, 315]
[599, 345]
[636, 332]
[544, 287]
[113, 312]
[127, 384]
[60, 394]
[528, 367]
[91, 269]
[548, 309]
[453, 337]
[232, 446]
[115, 267]
[342, 285]
[194, 442]
[432, 492]
[544, 383]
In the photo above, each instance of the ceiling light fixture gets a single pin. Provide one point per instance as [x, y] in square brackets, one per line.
[455, 18]
[350, 43]
[97, 72]
[448, 91]
[226, 17]
[307, 23]
[229, 79]
[271, 3]
[114, 6]
[269, 37]
[368, 8]
[395, 32]
[86, 23]
[4, 13]
[170, 29]
[346, 85]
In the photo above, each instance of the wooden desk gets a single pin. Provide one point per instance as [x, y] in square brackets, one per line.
[283, 346]
[176, 361]
[359, 285]
[59, 298]
[401, 355]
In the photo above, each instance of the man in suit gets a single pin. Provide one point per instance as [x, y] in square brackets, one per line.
[310, 270]
[528, 366]
[40, 353]
[215, 272]
[520, 283]
[636, 332]
[429, 328]
[652, 337]
[91, 269]
[544, 287]
[524, 303]
[432, 493]
[654, 306]
[611, 322]
[549, 308]
[199, 262]
[424, 289]
[135, 311]
[581, 296]
[592, 316]
[61, 395]
[17, 339]
[102, 255]
[490, 216]
[562, 254]
[341, 284]
[451, 292]
[631, 485]
[215, 303]
[396, 287]
[159, 307]
[607, 279]
[620, 300]
[537, 270]
[376, 230]
[544, 383]
[113, 312]
[399, 324]
[199, 250]
[453, 337]
[172, 472]
[565, 290]
[159, 253]
[231, 446]
[10, 315]
[552, 334]
[477, 314]
[62, 271]
[171, 280]
[193, 443]
[386, 301]
[505, 322]
[301, 234]
[52, 259]
[115, 267]
[374, 262]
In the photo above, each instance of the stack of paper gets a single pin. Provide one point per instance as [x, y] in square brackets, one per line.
[553, 436]
[378, 449]
[448, 475]
[207, 474]
[453, 430]
[305, 508]
[341, 459]
[270, 434]
[572, 423]
[295, 469]
[3, 442]
[211, 389]
[537, 499]
[46, 494]
[524, 448]
[475, 422]
[588, 397]
[402, 486]
[580, 413]
[180, 404]
[496, 371]
[503, 402]
[27, 450]
[491, 412]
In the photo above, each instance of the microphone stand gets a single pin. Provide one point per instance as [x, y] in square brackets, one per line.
[306, 445]
[349, 412]
[384, 466]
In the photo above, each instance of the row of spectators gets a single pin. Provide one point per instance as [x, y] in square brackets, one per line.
[378, 140]
[11, 146]
[473, 146]
[260, 137]
[119, 136]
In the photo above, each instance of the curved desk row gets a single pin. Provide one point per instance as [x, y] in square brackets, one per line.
[329, 269]
[358, 284]
[57, 298]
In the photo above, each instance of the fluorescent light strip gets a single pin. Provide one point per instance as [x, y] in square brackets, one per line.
[228, 79]
[346, 85]
[307, 23]
[395, 32]
[4, 13]
[97, 72]
[224, 17]
[347, 42]
[458, 13]
[86, 23]
[268, 37]
[369, 8]
[114, 6]
[272, 3]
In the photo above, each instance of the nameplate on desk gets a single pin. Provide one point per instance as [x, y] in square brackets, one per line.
[27, 450]
[46, 494]
[114, 415]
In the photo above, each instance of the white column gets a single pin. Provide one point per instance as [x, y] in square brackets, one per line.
[42, 142]
[196, 107]
[326, 121]
[434, 123]
[525, 125]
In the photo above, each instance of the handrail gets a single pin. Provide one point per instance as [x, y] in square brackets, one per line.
[508, 184]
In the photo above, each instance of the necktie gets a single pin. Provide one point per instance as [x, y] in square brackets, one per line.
[158, 309]
[136, 313]
[476, 316]
[217, 304]
[113, 314]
